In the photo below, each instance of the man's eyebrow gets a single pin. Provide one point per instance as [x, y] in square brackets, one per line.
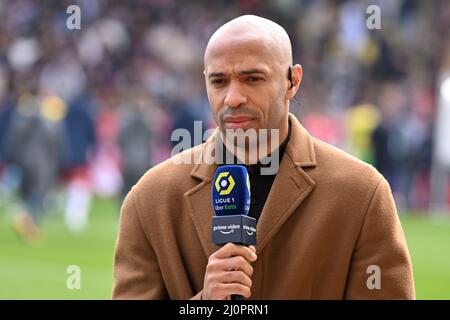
[216, 74]
[251, 71]
[242, 73]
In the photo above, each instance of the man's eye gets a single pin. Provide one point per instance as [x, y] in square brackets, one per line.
[218, 82]
[253, 79]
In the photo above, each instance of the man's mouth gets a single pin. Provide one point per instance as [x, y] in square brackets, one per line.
[240, 122]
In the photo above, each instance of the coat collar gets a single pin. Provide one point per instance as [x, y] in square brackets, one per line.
[291, 186]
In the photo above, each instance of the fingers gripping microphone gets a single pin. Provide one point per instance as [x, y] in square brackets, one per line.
[231, 204]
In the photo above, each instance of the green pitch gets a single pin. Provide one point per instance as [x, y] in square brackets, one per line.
[41, 272]
[429, 244]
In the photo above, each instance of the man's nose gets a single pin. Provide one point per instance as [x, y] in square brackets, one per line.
[235, 97]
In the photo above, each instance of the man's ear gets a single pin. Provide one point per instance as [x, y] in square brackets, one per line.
[291, 84]
[295, 75]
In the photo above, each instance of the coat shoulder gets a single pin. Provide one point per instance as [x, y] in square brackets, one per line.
[168, 179]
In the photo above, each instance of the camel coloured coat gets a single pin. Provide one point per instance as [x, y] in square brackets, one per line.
[328, 223]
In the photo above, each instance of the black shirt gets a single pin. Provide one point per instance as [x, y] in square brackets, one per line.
[260, 185]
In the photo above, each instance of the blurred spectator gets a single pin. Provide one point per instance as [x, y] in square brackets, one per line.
[80, 144]
[402, 144]
[106, 175]
[188, 117]
[35, 146]
[389, 145]
[5, 114]
[135, 141]
[361, 122]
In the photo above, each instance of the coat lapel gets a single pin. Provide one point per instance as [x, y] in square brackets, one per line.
[291, 186]
[201, 211]
[199, 199]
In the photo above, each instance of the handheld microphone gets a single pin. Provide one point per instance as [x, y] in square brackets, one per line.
[231, 204]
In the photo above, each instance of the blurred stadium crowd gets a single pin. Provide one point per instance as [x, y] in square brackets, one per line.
[86, 112]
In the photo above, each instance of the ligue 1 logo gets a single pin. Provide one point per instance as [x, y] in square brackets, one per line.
[224, 183]
[231, 190]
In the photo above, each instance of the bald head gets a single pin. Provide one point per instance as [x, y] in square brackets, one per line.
[263, 33]
[248, 76]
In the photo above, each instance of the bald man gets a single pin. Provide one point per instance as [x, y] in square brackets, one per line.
[327, 227]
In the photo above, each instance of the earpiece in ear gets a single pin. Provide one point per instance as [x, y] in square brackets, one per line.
[290, 77]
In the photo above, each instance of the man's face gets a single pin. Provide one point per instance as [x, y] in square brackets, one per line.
[246, 85]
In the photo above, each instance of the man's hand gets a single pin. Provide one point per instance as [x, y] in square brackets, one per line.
[229, 272]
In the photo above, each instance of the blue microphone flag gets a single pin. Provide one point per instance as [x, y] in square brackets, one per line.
[231, 204]
[231, 190]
